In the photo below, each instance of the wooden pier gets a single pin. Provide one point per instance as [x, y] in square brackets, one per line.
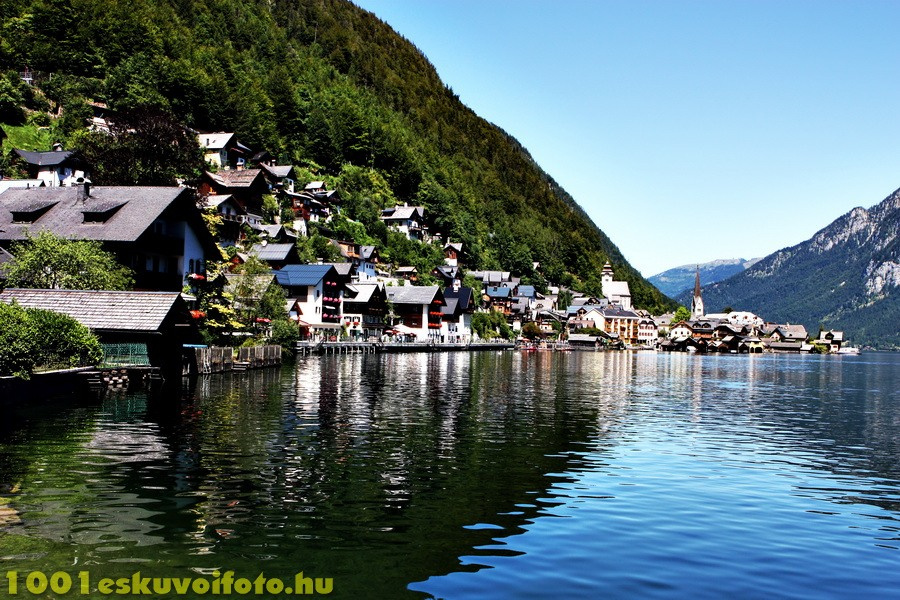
[330, 348]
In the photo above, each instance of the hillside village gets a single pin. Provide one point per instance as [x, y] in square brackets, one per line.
[183, 242]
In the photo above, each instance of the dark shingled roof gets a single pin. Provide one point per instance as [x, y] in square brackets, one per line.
[44, 159]
[103, 310]
[139, 208]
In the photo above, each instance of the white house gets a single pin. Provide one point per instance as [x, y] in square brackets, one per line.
[419, 310]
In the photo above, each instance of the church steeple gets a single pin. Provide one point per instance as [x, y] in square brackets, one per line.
[697, 302]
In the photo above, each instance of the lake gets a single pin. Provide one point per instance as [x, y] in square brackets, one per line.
[471, 475]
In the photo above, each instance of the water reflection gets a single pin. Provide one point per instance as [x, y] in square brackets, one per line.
[421, 470]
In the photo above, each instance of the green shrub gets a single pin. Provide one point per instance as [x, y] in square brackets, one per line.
[31, 338]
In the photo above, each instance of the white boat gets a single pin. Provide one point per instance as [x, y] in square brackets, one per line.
[851, 350]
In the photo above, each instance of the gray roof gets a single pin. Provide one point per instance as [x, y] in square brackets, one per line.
[363, 291]
[272, 251]
[411, 294]
[280, 171]
[214, 141]
[403, 212]
[366, 252]
[138, 208]
[45, 159]
[103, 310]
[298, 275]
[344, 269]
[5, 184]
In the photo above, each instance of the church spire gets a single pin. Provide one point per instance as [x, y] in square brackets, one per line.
[697, 302]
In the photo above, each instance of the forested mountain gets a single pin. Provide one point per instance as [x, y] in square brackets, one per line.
[673, 282]
[846, 277]
[326, 86]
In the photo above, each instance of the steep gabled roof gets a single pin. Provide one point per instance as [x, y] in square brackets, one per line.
[45, 159]
[243, 178]
[136, 209]
[103, 310]
[214, 141]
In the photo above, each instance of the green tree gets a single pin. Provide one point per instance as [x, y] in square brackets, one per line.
[681, 314]
[48, 261]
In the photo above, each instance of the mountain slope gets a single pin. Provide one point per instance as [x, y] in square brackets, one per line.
[846, 277]
[327, 86]
[673, 282]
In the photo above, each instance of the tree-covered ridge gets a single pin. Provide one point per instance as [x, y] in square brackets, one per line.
[327, 86]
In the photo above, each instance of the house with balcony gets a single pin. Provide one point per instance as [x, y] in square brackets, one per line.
[456, 320]
[419, 309]
[247, 186]
[364, 311]
[315, 294]
[158, 232]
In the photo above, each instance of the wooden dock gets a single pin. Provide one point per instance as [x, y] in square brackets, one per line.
[330, 348]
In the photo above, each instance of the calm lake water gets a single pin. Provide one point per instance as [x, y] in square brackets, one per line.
[482, 475]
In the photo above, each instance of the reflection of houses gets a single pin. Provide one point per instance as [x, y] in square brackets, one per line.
[156, 231]
[419, 308]
[365, 306]
[154, 324]
[456, 322]
[315, 294]
[408, 220]
[55, 168]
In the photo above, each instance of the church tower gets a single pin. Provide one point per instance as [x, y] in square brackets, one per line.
[697, 302]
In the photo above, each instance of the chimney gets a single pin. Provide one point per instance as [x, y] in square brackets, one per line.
[456, 285]
[84, 190]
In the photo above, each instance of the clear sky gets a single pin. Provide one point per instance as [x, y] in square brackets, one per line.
[689, 130]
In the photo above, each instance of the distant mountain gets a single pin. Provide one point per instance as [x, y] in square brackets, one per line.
[677, 280]
[846, 277]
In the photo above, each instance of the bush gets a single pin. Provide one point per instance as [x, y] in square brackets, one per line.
[31, 337]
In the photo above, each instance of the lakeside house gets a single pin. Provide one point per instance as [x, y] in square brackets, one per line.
[143, 327]
[419, 310]
[158, 232]
[315, 294]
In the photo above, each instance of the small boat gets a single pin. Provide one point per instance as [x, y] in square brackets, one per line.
[848, 350]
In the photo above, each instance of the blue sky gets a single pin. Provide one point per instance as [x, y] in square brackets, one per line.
[688, 130]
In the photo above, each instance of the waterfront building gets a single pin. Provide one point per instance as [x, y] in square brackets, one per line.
[158, 232]
[456, 321]
[419, 309]
[364, 310]
[151, 327]
[315, 294]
